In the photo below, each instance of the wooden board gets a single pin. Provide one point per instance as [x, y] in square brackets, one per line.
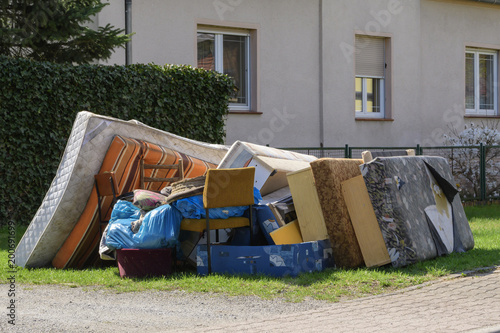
[365, 223]
[288, 234]
[307, 206]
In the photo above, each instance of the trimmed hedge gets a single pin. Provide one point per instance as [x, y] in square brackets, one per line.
[39, 102]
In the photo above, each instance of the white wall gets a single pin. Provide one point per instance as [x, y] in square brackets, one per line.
[397, 20]
[165, 32]
[428, 40]
[447, 28]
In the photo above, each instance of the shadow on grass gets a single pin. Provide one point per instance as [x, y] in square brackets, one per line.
[483, 211]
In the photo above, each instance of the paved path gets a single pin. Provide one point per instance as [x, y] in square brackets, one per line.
[462, 304]
[457, 304]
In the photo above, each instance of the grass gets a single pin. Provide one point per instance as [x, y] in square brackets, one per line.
[330, 285]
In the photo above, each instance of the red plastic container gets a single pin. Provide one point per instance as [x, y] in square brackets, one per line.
[144, 263]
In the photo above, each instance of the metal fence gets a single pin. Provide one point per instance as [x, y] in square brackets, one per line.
[476, 168]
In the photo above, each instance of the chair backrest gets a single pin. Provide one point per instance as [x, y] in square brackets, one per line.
[178, 166]
[106, 184]
[229, 187]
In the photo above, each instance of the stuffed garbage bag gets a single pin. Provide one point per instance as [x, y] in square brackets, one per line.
[160, 227]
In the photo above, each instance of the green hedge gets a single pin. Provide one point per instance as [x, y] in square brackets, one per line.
[39, 102]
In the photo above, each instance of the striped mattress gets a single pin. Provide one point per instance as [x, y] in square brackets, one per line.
[80, 249]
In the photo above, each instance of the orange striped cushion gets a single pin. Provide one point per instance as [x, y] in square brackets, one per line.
[123, 157]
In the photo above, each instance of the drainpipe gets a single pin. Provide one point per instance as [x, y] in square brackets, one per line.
[321, 117]
[128, 30]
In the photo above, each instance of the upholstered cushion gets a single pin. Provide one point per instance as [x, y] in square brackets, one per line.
[229, 187]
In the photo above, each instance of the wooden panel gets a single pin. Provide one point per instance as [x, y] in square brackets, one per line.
[365, 223]
[288, 234]
[307, 207]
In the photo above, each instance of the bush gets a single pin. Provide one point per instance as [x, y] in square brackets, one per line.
[39, 102]
[465, 161]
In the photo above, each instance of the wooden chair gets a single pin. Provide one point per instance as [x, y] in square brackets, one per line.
[105, 184]
[224, 188]
[178, 166]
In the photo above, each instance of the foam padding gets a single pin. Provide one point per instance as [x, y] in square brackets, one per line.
[329, 173]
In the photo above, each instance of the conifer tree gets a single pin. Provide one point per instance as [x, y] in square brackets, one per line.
[56, 30]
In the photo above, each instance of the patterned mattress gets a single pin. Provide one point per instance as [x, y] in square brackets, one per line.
[66, 199]
[417, 207]
[329, 173]
[80, 249]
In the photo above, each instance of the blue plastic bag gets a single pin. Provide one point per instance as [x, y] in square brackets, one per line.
[160, 227]
[119, 235]
[124, 210]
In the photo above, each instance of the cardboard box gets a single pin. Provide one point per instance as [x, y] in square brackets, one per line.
[144, 263]
[270, 173]
[273, 260]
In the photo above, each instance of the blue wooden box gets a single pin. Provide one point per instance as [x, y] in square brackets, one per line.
[272, 260]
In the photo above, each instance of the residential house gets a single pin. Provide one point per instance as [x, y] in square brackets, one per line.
[327, 73]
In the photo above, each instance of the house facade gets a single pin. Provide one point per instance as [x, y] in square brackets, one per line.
[330, 72]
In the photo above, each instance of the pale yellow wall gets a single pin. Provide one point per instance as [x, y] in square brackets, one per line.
[428, 39]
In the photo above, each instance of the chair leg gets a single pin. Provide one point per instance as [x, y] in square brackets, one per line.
[209, 256]
[112, 189]
[98, 201]
[251, 225]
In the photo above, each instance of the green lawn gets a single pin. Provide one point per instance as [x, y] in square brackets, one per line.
[331, 285]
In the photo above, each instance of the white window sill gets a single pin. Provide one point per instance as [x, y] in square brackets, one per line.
[373, 119]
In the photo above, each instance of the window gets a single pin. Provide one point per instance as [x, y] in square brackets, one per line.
[481, 95]
[370, 77]
[228, 53]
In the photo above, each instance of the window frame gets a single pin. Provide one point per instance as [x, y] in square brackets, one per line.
[364, 98]
[219, 60]
[477, 111]
[385, 85]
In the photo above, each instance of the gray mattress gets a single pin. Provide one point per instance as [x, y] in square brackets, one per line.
[417, 207]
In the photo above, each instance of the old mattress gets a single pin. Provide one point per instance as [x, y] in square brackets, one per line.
[417, 207]
[329, 173]
[241, 154]
[271, 164]
[80, 249]
[72, 186]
